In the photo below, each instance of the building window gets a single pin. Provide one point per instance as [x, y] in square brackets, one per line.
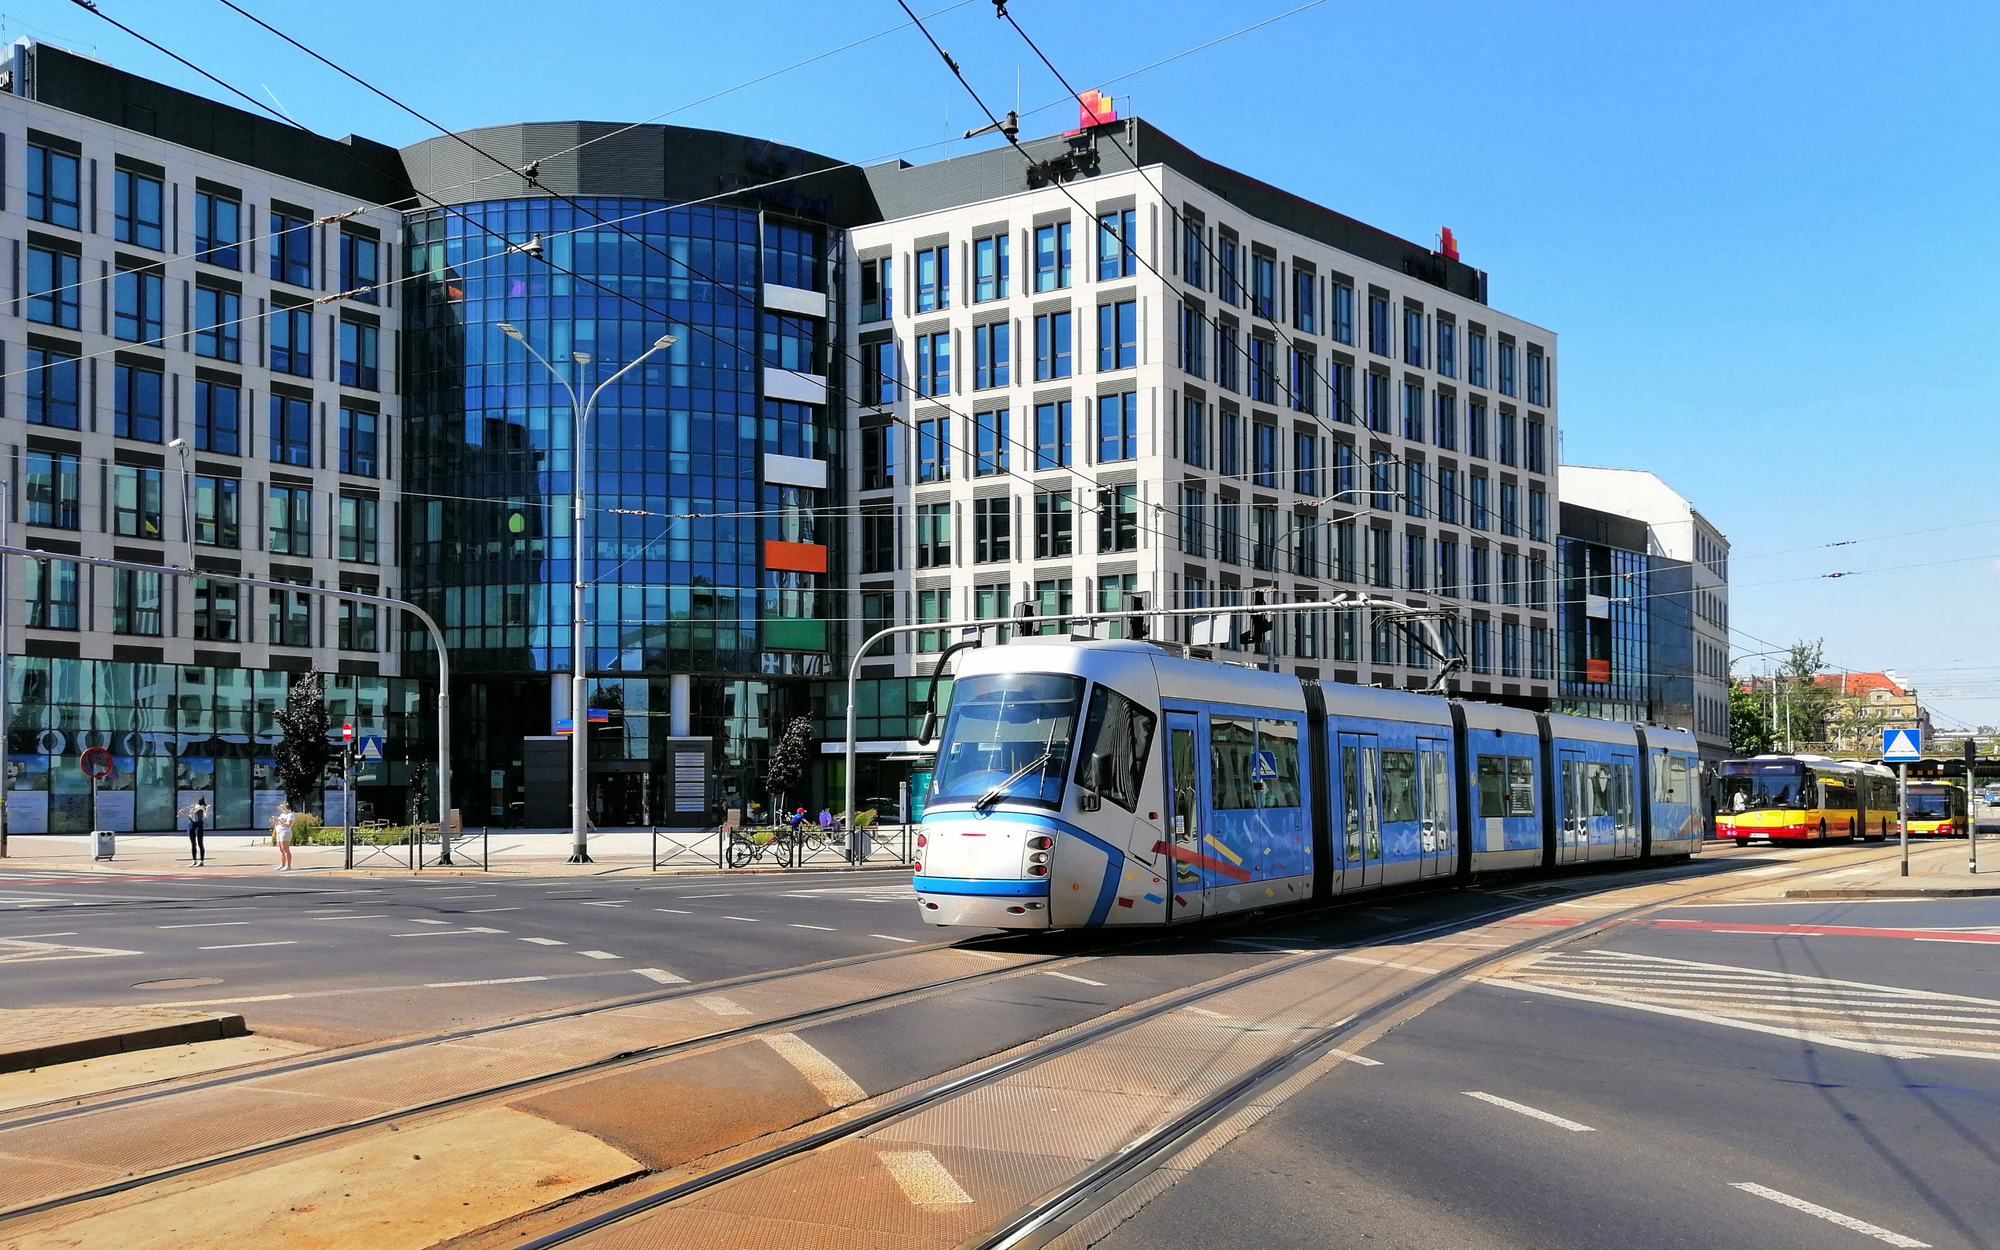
[989, 268]
[360, 521]
[1340, 553]
[1380, 571]
[50, 594]
[216, 417]
[54, 489]
[992, 530]
[1542, 654]
[1194, 432]
[1444, 421]
[1538, 449]
[1413, 488]
[1194, 521]
[359, 349]
[1447, 349]
[1538, 514]
[137, 504]
[1448, 489]
[878, 539]
[1229, 532]
[934, 450]
[932, 605]
[218, 230]
[1480, 517]
[218, 332]
[52, 389]
[934, 364]
[1475, 358]
[290, 618]
[1117, 427]
[217, 505]
[1263, 370]
[878, 295]
[1340, 381]
[357, 441]
[1379, 404]
[135, 603]
[1480, 576]
[1053, 353]
[1305, 544]
[1482, 646]
[1507, 428]
[291, 341]
[1413, 561]
[1052, 435]
[53, 183]
[1413, 337]
[1305, 380]
[1054, 522]
[1378, 325]
[1229, 443]
[360, 269]
[54, 298]
[288, 514]
[1510, 648]
[1344, 479]
[992, 354]
[1194, 254]
[1118, 244]
[1510, 509]
[792, 256]
[1510, 577]
[1264, 539]
[1264, 454]
[989, 439]
[1413, 411]
[356, 625]
[791, 343]
[1506, 367]
[1264, 286]
[1052, 257]
[1228, 286]
[878, 373]
[1194, 342]
[1117, 336]
[138, 210]
[138, 300]
[1054, 601]
[1381, 481]
[214, 610]
[1475, 429]
[1228, 359]
[291, 431]
[291, 249]
[1115, 593]
[1447, 567]
[1306, 477]
[878, 612]
[1538, 376]
[136, 403]
[1118, 519]
[878, 457]
[1538, 581]
[1305, 301]
[933, 536]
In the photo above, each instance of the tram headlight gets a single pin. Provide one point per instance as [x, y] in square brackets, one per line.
[1039, 857]
[1041, 842]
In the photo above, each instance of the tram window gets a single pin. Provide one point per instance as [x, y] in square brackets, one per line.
[1521, 786]
[1232, 745]
[1399, 786]
[1003, 723]
[1120, 731]
[1281, 739]
[1598, 788]
[1493, 785]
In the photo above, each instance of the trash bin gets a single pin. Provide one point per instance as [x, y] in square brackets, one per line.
[104, 844]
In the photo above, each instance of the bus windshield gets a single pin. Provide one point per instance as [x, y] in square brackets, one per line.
[1750, 786]
[1932, 806]
[1008, 738]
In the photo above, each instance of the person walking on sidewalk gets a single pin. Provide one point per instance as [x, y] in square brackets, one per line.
[281, 835]
[197, 818]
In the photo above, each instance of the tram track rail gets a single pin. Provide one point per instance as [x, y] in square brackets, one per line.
[1051, 1215]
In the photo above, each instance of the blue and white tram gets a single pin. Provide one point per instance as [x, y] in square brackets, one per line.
[1113, 783]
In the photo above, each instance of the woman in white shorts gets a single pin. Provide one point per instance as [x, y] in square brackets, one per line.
[281, 834]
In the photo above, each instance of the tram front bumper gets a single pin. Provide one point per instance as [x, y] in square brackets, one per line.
[983, 904]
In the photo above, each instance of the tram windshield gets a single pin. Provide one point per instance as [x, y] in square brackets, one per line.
[1931, 805]
[1751, 785]
[1008, 738]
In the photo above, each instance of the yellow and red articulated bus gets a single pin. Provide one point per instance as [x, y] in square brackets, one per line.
[1799, 798]
[1937, 809]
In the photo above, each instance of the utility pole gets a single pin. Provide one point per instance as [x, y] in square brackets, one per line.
[1971, 811]
[1903, 814]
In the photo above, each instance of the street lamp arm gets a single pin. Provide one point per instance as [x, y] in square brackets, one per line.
[590, 405]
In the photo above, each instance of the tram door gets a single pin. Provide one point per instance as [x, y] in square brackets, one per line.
[1438, 846]
[1574, 844]
[1184, 784]
[1361, 813]
[1624, 809]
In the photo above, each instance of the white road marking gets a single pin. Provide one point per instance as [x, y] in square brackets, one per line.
[1387, 963]
[661, 975]
[822, 928]
[822, 1073]
[675, 910]
[450, 985]
[922, 1178]
[984, 955]
[545, 941]
[477, 929]
[599, 955]
[1532, 1112]
[1703, 1017]
[19, 936]
[15, 951]
[430, 922]
[731, 894]
[599, 903]
[907, 942]
[201, 924]
[723, 1006]
[344, 917]
[744, 919]
[442, 932]
[1363, 1060]
[480, 911]
[237, 946]
[1067, 977]
[1203, 1011]
[458, 894]
[1830, 1216]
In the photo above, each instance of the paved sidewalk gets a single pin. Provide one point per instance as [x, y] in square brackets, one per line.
[1938, 869]
[41, 1036]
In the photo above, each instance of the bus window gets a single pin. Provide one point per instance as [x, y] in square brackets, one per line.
[1120, 731]
[1754, 785]
[1520, 786]
[1399, 786]
[1493, 785]
[1231, 744]
[1281, 739]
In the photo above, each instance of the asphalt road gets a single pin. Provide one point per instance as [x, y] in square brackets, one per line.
[1691, 1114]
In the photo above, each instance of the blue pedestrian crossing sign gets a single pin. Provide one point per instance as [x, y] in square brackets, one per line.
[371, 748]
[1899, 745]
[1264, 766]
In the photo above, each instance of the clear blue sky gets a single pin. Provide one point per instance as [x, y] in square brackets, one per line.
[1744, 220]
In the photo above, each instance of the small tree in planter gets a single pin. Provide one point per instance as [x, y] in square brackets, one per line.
[302, 749]
[789, 761]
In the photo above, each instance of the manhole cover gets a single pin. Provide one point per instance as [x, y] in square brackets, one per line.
[177, 983]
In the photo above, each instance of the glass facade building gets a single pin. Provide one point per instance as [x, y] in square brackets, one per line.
[1604, 618]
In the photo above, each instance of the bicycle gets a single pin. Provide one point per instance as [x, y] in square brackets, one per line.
[752, 846]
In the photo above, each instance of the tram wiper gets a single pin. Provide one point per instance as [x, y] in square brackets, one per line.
[1039, 764]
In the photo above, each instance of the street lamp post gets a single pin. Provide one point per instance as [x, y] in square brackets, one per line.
[579, 698]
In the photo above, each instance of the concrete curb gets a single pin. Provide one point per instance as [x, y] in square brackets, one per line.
[1944, 891]
[205, 1028]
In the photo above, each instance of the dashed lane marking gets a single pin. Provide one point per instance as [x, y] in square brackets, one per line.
[16, 951]
[19, 936]
[1536, 1113]
[1830, 1216]
[452, 985]
[430, 922]
[744, 919]
[661, 975]
[922, 1178]
[723, 1006]
[907, 942]
[1067, 977]
[602, 903]
[822, 1073]
[237, 946]
[201, 924]
[599, 955]
[821, 927]
[481, 911]
[545, 941]
[477, 929]
[343, 917]
[442, 933]
[675, 910]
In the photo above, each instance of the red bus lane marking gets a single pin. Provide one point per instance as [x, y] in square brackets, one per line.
[1823, 930]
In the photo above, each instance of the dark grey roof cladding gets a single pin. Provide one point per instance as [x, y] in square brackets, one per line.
[1603, 528]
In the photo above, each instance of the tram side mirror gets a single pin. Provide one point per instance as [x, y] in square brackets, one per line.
[928, 730]
[1092, 799]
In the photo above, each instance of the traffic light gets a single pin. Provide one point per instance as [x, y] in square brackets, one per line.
[1260, 624]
